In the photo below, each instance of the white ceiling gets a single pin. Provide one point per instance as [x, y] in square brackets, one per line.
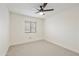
[30, 8]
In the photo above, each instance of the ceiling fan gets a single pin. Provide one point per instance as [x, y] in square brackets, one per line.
[42, 10]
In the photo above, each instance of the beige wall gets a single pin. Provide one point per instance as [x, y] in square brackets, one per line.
[63, 29]
[18, 34]
[4, 29]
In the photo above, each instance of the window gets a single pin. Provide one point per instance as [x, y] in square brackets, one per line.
[30, 27]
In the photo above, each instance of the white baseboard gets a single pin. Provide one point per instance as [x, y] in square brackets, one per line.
[7, 50]
[50, 42]
[63, 46]
[19, 43]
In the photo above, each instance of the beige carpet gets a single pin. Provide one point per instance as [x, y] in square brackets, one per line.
[39, 48]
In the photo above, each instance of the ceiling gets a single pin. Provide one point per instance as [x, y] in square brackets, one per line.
[30, 8]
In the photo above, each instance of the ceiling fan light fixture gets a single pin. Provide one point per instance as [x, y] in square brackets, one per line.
[41, 13]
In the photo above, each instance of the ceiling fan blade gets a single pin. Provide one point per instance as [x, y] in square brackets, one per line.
[44, 5]
[41, 7]
[48, 10]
